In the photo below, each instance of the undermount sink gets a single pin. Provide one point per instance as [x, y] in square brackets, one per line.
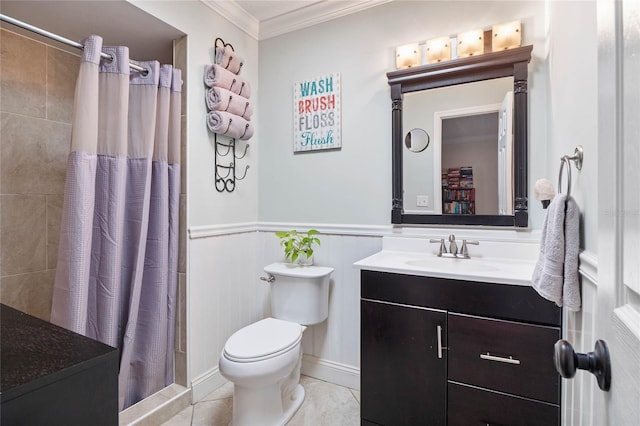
[452, 264]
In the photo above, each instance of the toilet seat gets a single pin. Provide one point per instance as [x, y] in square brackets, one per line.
[262, 340]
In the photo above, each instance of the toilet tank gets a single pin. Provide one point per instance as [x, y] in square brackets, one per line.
[299, 293]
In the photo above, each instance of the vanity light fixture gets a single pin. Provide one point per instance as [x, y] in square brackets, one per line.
[506, 36]
[438, 50]
[470, 43]
[407, 56]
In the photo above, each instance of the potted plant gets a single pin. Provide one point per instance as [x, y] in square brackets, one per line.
[298, 246]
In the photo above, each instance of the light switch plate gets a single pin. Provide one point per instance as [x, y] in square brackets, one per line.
[422, 201]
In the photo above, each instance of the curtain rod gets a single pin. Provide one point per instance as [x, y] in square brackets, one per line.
[60, 39]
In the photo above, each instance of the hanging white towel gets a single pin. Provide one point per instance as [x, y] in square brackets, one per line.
[571, 287]
[555, 276]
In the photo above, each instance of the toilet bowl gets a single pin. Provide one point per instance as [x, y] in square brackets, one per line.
[265, 373]
[263, 359]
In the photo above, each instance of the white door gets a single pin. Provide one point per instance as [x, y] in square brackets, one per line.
[618, 308]
[505, 155]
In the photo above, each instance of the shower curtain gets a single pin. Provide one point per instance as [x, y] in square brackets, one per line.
[116, 276]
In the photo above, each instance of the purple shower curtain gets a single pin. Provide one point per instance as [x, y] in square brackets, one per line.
[116, 277]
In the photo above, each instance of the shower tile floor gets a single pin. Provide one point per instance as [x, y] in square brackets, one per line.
[324, 404]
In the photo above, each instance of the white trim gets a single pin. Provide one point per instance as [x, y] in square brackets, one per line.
[496, 234]
[206, 383]
[589, 267]
[329, 229]
[630, 318]
[438, 117]
[316, 13]
[331, 371]
[236, 15]
[206, 231]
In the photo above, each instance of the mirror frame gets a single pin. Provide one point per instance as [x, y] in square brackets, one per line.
[506, 63]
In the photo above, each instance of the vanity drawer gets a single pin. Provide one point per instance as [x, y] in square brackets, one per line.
[506, 356]
[472, 406]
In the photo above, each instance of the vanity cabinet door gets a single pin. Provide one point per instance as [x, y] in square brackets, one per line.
[403, 372]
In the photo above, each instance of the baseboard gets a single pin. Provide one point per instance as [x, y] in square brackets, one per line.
[330, 371]
[206, 383]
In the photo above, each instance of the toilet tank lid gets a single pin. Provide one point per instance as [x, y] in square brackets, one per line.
[262, 338]
[295, 270]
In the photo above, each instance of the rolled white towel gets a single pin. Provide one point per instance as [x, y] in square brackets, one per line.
[216, 76]
[228, 59]
[220, 99]
[224, 123]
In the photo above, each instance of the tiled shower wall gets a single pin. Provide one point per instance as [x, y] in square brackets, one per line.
[36, 106]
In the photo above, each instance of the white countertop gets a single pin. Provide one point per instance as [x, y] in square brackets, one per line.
[514, 267]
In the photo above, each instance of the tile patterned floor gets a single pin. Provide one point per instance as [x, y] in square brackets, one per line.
[324, 404]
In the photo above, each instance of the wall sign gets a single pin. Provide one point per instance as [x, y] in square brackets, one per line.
[316, 114]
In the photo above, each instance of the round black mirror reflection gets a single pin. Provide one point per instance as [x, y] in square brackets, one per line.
[416, 140]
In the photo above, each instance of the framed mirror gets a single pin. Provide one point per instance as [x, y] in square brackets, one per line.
[474, 171]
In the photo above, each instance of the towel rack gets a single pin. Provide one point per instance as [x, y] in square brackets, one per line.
[227, 182]
[577, 159]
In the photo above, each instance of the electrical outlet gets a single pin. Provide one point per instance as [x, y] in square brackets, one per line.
[422, 201]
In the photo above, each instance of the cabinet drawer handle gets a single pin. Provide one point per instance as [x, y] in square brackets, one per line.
[510, 360]
[440, 347]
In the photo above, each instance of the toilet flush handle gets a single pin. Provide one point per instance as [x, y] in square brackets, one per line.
[269, 278]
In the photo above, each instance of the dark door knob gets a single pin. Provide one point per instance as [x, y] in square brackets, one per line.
[597, 362]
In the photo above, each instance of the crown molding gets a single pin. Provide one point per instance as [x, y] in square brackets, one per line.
[313, 14]
[236, 15]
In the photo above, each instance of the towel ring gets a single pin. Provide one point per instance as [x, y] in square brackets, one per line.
[577, 159]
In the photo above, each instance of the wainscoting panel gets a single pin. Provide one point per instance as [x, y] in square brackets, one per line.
[224, 296]
[336, 341]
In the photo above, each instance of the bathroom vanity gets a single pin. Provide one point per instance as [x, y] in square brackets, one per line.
[439, 346]
[52, 376]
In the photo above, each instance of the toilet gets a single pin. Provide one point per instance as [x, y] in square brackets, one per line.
[263, 359]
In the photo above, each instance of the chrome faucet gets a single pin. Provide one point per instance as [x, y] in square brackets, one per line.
[453, 246]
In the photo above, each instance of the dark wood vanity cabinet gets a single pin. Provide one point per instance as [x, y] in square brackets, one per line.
[403, 372]
[439, 351]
